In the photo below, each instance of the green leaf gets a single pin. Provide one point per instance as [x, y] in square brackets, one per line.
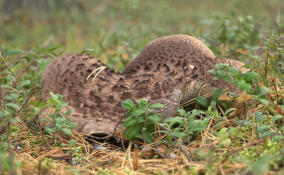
[196, 112]
[130, 121]
[276, 117]
[198, 125]
[26, 83]
[138, 112]
[262, 128]
[132, 132]
[174, 120]
[233, 70]
[212, 71]
[225, 76]
[266, 134]
[182, 112]
[155, 117]
[66, 131]
[229, 111]
[219, 123]
[244, 86]
[149, 138]
[13, 52]
[259, 117]
[202, 101]
[128, 105]
[13, 105]
[57, 100]
[216, 94]
[277, 138]
[50, 130]
[251, 77]
[263, 101]
[156, 105]
[14, 120]
[142, 104]
[179, 134]
[73, 125]
[68, 112]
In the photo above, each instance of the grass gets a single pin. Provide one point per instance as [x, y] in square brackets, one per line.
[116, 32]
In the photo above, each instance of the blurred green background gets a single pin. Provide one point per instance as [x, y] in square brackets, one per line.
[117, 30]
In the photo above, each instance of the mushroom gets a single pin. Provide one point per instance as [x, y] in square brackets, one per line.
[170, 70]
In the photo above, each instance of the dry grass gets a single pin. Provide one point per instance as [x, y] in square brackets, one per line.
[40, 155]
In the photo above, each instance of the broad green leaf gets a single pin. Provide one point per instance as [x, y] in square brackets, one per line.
[251, 77]
[13, 105]
[132, 132]
[138, 112]
[276, 117]
[244, 86]
[73, 125]
[277, 138]
[26, 83]
[156, 105]
[233, 70]
[219, 123]
[212, 71]
[202, 101]
[263, 101]
[130, 121]
[196, 112]
[142, 104]
[261, 128]
[66, 131]
[174, 120]
[266, 134]
[155, 117]
[68, 112]
[182, 112]
[128, 105]
[13, 52]
[259, 117]
[179, 134]
[244, 122]
[50, 129]
[216, 94]
[149, 138]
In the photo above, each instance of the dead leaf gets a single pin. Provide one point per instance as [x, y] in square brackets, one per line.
[125, 56]
[240, 103]
[280, 110]
[245, 52]
[225, 97]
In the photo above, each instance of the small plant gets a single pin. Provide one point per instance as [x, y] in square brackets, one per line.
[185, 126]
[244, 81]
[141, 121]
[56, 121]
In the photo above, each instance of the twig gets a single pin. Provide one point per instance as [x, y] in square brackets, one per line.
[10, 70]
[26, 101]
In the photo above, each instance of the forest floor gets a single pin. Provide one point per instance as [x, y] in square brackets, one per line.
[202, 141]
